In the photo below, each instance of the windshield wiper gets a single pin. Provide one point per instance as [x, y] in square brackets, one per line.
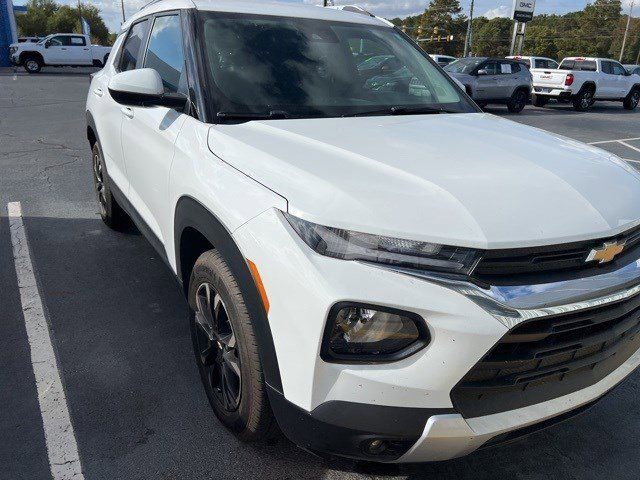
[246, 116]
[399, 110]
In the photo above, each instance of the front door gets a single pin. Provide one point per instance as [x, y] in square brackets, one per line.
[487, 83]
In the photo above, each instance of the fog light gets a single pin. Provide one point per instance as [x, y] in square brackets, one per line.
[375, 446]
[368, 333]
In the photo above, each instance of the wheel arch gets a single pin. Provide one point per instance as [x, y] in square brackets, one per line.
[197, 230]
[92, 131]
[588, 84]
[31, 53]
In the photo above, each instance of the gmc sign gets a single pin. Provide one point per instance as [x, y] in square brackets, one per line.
[523, 10]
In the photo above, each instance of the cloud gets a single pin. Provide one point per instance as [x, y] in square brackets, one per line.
[502, 11]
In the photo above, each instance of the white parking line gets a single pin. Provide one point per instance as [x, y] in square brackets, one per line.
[620, 140]
[62, 448]
[629, 146]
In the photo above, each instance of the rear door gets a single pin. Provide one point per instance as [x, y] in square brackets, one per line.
[149, 133]
[79, 53]
[487, 83]
[110, 118]
[608, 86]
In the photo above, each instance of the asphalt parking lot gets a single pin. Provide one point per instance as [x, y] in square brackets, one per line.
[121, 339]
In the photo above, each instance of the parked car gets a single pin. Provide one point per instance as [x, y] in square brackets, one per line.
[493, 80]
[633, 69]
[442, 60]
[536, 62]
[388, 275]
[29, 39]
[57, 50]
[583, 81]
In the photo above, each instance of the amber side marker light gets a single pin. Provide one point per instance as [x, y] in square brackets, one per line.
[256, 278]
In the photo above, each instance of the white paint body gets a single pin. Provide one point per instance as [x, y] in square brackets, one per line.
[54, 54]
[551, 82]
[471, 180]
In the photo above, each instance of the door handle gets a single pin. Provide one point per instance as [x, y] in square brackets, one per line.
[127, 112]
[85, 49]
[63, 48]
[98, 92]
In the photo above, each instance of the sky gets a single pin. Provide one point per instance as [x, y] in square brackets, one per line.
[111, 10]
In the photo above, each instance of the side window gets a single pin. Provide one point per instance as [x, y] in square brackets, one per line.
[618, 69]
[607, 68]
[133, 46]
[77, 41]
[164, 53]
[491, 68]
[59, 41]
[515, 67]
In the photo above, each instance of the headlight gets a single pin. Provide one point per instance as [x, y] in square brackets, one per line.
[349, 245]
[13, 50]
[368, 333]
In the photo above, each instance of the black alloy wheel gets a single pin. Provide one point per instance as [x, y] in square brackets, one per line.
[217, 349]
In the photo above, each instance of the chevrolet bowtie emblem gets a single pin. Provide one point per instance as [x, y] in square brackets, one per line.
[605, 253]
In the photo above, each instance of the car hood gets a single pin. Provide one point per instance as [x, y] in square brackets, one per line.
[471, 180]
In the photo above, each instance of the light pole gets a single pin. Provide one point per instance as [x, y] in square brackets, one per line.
[626, 31]
[467, 39]
[122, 6]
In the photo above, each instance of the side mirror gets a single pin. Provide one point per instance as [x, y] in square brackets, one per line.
[482, 72]
[143, 87]
[47, 44]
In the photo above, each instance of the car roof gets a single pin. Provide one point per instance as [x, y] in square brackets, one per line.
[258, 8]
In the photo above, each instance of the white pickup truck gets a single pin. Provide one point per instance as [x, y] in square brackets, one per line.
[59, 49]
[582, 81]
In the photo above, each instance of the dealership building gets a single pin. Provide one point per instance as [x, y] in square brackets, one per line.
[8, 29]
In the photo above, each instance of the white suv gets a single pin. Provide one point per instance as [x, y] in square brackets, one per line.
[372, 263]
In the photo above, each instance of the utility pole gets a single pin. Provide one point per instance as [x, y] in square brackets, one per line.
[626, 31]
[467, 38]
[122, 5]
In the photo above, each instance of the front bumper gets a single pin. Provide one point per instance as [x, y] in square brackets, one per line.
[327, 407]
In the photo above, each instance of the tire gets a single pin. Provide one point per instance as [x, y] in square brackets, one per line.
[226, 351]
[32, 64]
[518, 101]
[111, 213]
[538, 101]
[584, 100]
[631, 101]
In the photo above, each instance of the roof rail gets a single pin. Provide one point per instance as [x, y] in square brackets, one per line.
[149, 4]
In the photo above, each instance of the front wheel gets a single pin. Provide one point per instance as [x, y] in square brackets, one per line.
[518, 101]
[584, 100]
[32, 64]
[632, 100]
[226, 350]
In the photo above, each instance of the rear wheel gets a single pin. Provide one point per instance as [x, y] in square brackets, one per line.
[32, 64]
[518, 101]
[111, 213]
[584, 100]
[226, 350]
[538, 100]
[632, 100]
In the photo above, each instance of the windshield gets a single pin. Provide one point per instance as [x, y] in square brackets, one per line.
[300, 67]
[464, 65]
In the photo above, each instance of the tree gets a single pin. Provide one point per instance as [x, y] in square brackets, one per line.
[443, 18]
[34, 21]
[44, 17]
[493, 38]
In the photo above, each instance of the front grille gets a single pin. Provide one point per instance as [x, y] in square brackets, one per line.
[548, 357]
[552, 263]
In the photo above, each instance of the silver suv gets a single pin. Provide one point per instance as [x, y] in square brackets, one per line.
[493, 80]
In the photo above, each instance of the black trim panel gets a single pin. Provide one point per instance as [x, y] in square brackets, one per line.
[191, 214]
[340, 428]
